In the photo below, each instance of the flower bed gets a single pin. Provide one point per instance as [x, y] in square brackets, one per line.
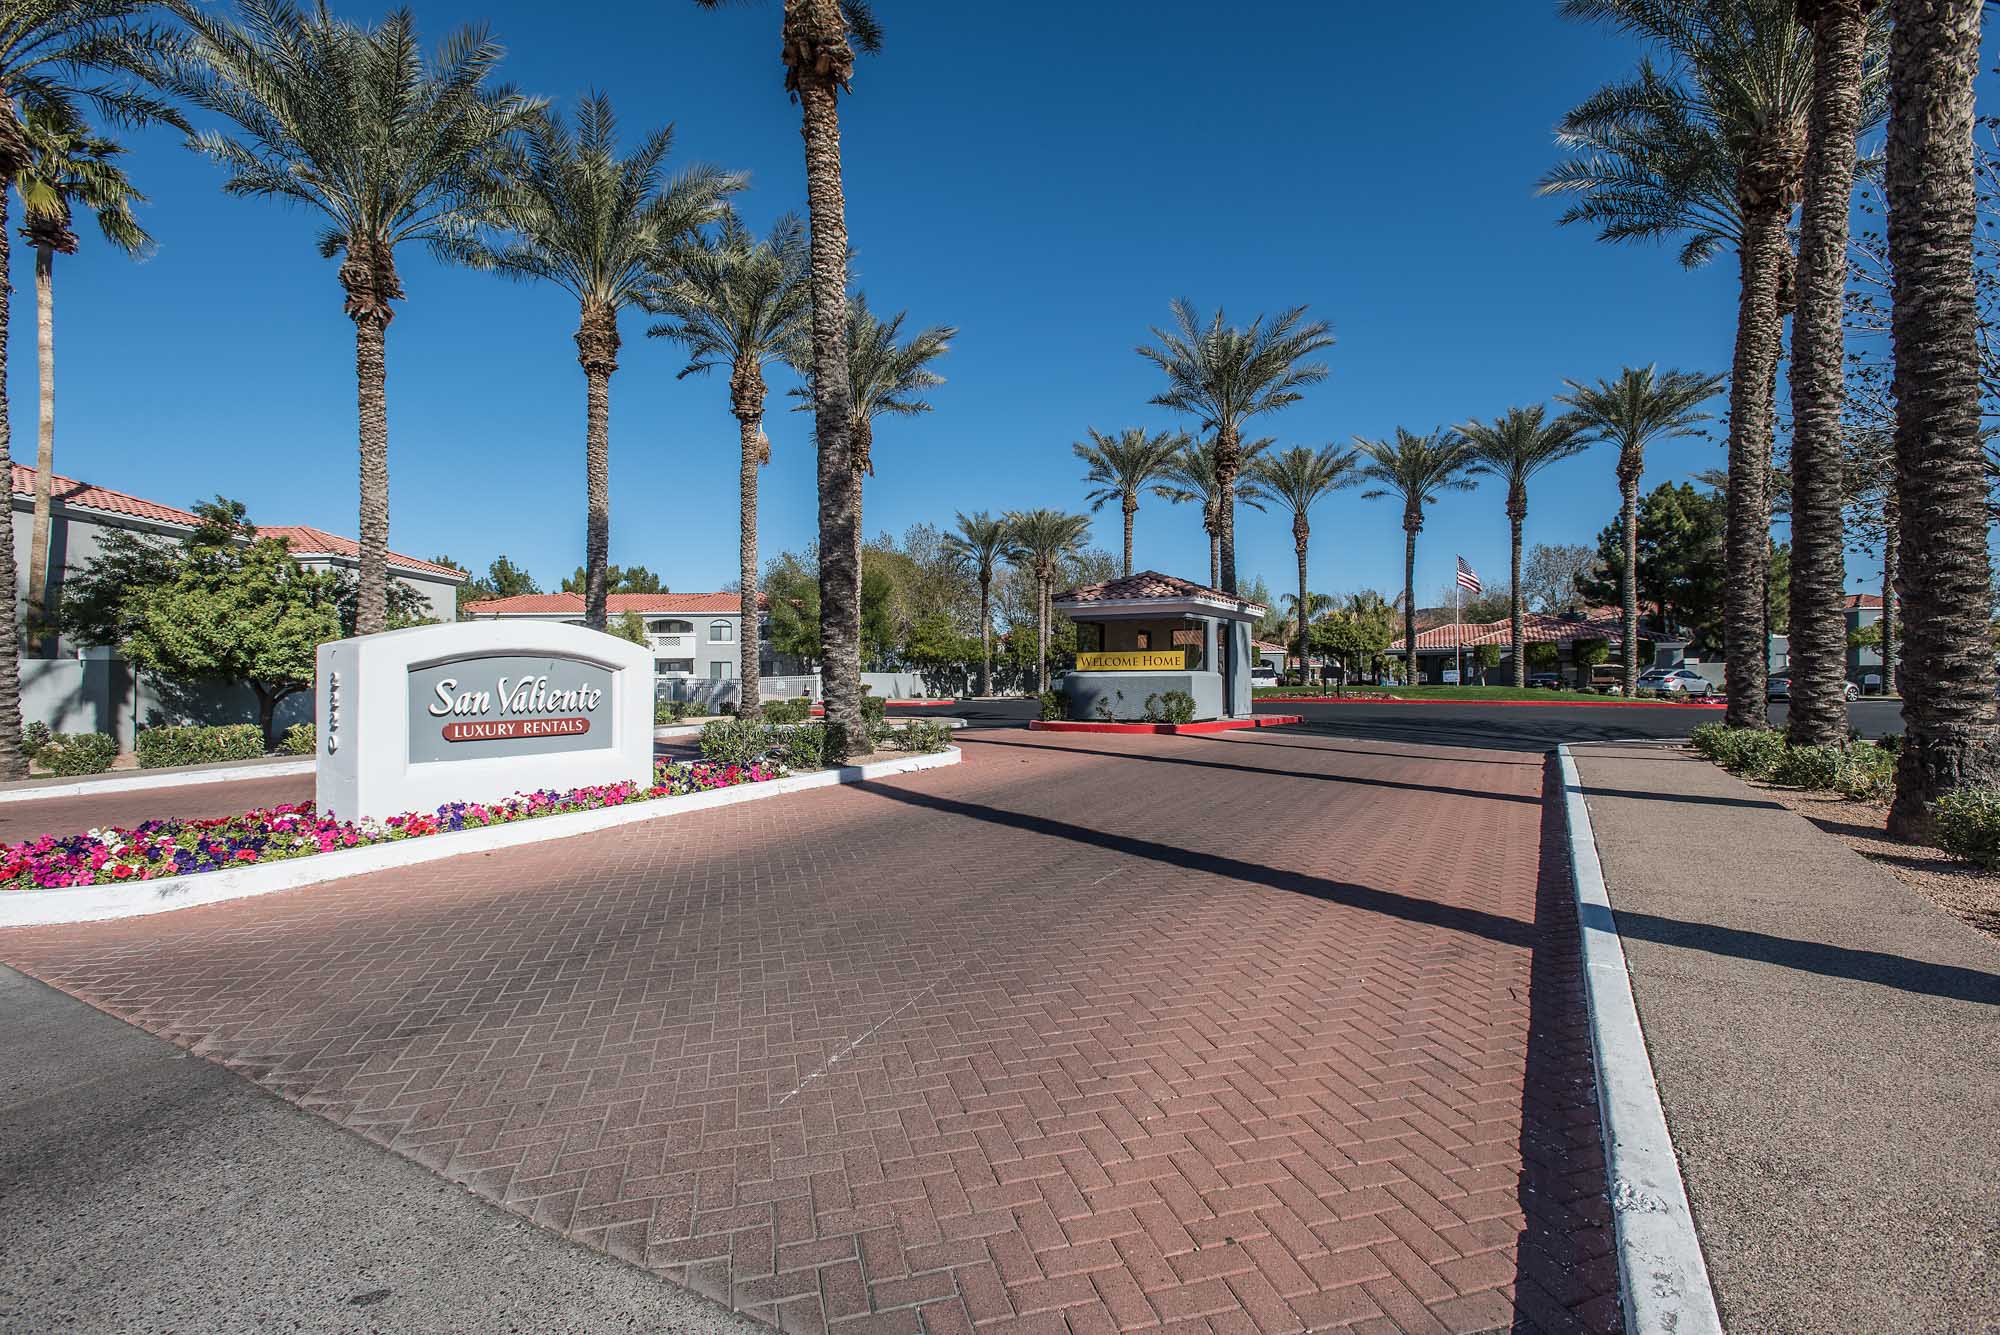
[295, 830]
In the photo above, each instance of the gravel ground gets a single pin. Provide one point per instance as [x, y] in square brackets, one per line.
[1960, 889]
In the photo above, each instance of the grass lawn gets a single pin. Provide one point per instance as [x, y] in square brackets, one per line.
[1442, 693]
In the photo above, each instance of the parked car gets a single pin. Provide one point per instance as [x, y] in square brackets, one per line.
[1545, 681]
[1676, 681]
[1263, 675]
[1780, 688]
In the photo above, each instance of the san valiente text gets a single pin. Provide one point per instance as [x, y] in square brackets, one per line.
[529, 695]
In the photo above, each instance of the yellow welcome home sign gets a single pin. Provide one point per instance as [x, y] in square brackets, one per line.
[1142, 660]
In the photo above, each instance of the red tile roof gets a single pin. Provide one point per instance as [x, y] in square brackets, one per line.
[618, 604]
[1146, 584]
[1537, 628]
[303, 540]
[1857, 601]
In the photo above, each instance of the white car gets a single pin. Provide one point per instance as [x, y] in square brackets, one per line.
[1263, 675]
[1676, 681]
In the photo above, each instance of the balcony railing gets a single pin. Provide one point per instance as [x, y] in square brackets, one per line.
[678, 646]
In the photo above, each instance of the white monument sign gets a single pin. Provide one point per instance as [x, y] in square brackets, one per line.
[477, 711]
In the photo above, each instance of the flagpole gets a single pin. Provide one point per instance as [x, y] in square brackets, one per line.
[1458, 625]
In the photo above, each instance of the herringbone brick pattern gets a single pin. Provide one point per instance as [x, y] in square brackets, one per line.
[1259, 1033]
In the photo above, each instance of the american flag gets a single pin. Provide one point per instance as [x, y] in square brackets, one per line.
[1466, 579]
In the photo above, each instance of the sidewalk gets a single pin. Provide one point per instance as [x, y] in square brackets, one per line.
[1827, 1046]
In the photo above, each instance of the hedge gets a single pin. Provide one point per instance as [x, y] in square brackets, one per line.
[301, 739]
[161, 747]
[72, 753]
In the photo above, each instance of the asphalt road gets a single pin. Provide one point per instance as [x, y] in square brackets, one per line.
[1511, 726]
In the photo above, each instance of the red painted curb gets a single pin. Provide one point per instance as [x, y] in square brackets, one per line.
[821, 709]
[1170, 729]
[1526, 704]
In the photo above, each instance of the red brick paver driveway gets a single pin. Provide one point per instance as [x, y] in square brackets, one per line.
[1264, 1032]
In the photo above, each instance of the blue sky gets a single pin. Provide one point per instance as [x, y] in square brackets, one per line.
[1047, 184]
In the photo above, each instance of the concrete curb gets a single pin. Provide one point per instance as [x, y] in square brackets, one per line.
[1661, 1272]
[1168, 729]
[132, 899]
[1696, 703]
[136, 780]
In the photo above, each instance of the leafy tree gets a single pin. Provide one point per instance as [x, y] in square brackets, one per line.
[935, 647]
[1679, 537]
[503, 579]
[632, 627]
[1551, 575]
[1357, 633]
[791, 590]
[1272, 624]
[52, 56]
[1587, 654]
[879, 632]
[572, 212]
[1514, 447]
[1124, 465]
[1223, 375]
[739, 303]
[356, 124]
[1415, 470]
[617, 579]
[819, 39]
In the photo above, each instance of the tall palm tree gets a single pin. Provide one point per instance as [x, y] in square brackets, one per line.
[1631, 412]
[1123, 465]
[597, 225]
[818, 40]
[740, 303]
[52, 54]
[1042, 540]
[1416, 470]
[391, 146]
[68, 167]
[1817, 713]
[1714, 150]
[1515, 446]
[1191, 480]
[1298, 479]
[1940, 462]
[1223, 375]
[982, 542]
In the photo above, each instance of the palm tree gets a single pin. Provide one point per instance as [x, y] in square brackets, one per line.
[1940, 460]
[598, 226]
[1713, 150]
[51, 54]
[1224, 376]
[1042, 540]
[818, 42]
[1631, 412]
[1123, 465]
[1515, 446]
[1191, 480]
[1298, 479]
[67, 166]
[1299, 616]
[1817, 713]
[1417, 470]
[981, 542]
[392, 147]
[739, 303]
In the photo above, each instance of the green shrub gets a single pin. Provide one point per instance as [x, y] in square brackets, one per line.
[1177, 707]
[1747, 751]
[924, 734]
[1809, 766]
[70, 753]
[1867, 772]
[301, 739]
[1967, 823]
[1054, 705]
[791, 709]
[665, 712]
[873, 707]
[804, 745]
[33, 738]
[729, 741]
[160, 747]
[1707, 739]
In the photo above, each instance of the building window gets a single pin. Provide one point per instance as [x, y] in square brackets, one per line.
[671, 627]
[719, 670]
[1145, 639]
[673, 667]
[720, 632]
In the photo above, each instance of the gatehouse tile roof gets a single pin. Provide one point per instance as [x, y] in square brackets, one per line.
[1148, 584]
[617, 604]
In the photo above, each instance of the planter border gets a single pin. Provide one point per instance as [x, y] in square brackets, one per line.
[1169, 729]
[1697, 703]
[131, 899]
[1662, 1277]
[128, 781]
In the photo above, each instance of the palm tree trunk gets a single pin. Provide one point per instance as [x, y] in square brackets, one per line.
[1409, 603]
[839, 492]
[371, 381]
[597, 499]
[1628, 491]
[1891, 537]
[1041, 632]
[985, 632]
[13, 765]
[1940, 466]
[1301, 536]
[1817, 715]
[1131, 509]
[1214, 559]
[40, 605]
[749, 671]
[1759, 331]
[1228, 462]
[1518, 631]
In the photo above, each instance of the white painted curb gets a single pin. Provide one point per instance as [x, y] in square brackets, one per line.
[1660, 1268]
[132, 899]
[127, 783]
